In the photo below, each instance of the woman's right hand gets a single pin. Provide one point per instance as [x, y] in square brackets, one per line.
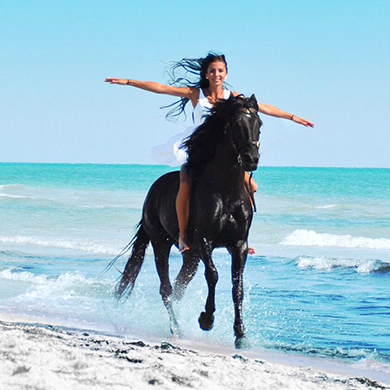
[151, 86]
[117, 81]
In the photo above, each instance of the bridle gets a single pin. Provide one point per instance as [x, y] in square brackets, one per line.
[251, 112]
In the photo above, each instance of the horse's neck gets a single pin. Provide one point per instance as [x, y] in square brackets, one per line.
[224, 171]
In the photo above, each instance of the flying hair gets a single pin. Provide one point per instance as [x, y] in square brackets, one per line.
[190, 72]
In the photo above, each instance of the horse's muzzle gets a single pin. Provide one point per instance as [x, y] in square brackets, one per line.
[250, 160]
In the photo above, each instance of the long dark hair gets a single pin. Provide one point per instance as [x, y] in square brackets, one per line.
[190, 72]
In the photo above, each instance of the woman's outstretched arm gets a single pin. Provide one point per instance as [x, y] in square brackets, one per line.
[151, 86]
[267, 109]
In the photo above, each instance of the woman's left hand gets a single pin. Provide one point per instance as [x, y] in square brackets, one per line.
[117, 81]
[301, 121]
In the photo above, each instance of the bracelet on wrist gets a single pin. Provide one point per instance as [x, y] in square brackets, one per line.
[128, 82]
[291, 117]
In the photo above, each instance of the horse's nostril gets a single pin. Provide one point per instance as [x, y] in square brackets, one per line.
[249, 158]
[246, 158]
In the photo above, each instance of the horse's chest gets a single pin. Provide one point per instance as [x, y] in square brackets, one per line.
[219, 217]
[230, 221]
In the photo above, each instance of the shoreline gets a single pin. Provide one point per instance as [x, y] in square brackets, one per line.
[44, 356]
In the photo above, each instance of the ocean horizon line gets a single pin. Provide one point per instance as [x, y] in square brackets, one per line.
[173, 168]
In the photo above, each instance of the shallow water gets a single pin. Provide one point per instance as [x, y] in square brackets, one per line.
[319, 285]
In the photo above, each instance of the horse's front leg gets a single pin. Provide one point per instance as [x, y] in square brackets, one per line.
[206, 318]
[239, 255]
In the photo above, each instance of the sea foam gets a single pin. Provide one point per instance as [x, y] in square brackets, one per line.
[364, 266]
[13, 274]
[71, 244]
[63, 279]
[302, 237]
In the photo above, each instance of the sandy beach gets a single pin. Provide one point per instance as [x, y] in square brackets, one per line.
[34, 356]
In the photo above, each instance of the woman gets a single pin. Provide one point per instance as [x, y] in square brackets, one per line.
[203, 94]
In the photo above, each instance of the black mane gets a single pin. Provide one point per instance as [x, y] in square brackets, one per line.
[202, 143]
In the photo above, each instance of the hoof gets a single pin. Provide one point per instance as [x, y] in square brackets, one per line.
[242, 343]
[205, 322]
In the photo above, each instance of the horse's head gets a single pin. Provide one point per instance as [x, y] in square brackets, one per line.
[244, 128]
[235, 121]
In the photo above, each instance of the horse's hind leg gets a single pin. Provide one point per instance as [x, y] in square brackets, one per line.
[161, 255]
[186, 274]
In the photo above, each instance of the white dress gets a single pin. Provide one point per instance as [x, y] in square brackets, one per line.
[170, 152]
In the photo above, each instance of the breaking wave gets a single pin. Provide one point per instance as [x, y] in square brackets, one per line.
[71, 244]
[364, 266]
[302, 237]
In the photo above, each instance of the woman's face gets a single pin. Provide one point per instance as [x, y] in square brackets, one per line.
[216, 73]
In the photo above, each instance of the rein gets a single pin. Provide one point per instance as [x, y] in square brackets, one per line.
[251, 193]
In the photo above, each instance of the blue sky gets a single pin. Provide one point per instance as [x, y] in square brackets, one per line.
[327, 61]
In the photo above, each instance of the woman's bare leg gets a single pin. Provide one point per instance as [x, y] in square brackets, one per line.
[183, 207]
[253, 183]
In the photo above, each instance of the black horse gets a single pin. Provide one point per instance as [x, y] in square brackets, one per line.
[219, 152]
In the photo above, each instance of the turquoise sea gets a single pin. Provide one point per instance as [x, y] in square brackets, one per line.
[319, 285]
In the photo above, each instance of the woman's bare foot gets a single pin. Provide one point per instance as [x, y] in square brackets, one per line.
[251, 250]
[183, 245]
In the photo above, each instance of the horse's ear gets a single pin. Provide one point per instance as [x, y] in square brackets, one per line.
[253, 98]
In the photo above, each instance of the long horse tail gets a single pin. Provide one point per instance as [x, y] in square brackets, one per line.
[139, 243]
